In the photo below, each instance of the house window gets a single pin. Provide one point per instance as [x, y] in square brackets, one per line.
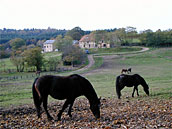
[104, 45]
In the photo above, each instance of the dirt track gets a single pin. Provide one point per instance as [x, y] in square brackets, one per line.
[107, 61]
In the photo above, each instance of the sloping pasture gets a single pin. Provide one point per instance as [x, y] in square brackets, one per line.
[154, 111]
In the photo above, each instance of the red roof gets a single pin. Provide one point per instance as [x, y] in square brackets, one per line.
[87, 38]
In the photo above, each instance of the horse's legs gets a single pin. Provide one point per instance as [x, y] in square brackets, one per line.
[118, 90]
[38, 108]
[63, 108]
[37, 101]
[119, 94]
[45, 108]
[70, 108]
[137, 90]
[133, 91]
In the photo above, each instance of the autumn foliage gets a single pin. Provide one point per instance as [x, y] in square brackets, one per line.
[115, 113]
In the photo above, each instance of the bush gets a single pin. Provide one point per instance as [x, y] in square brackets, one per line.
[73, 55]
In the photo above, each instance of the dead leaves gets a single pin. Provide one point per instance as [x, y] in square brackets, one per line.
[114, 114]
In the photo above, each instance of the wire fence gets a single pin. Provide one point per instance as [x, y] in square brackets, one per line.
[31, 75]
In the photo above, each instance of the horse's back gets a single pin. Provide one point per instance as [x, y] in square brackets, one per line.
[62, 87]
[129, 80]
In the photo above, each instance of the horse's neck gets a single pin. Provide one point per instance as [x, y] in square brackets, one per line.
[143, 82]
[92, 97]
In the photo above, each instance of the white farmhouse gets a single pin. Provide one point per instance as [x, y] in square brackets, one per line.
[88, 41]
[48, 46]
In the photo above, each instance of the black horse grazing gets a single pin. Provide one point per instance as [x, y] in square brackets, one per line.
[130, 81]
[64, 87]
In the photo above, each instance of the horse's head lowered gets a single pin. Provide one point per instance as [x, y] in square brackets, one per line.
[144, 84]
[95, 108]
[146, 88]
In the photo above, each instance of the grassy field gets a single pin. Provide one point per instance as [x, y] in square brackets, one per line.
[9, 65]
[154, 65]
[113, 50]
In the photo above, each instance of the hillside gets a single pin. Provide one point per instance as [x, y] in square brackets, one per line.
[154, 111]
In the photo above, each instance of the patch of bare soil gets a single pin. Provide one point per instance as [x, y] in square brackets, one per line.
[109, 63]
[114, 114]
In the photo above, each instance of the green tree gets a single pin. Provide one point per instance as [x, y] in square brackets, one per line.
[58, 42]
[113, 39]
[53, 63]
[34, 57]
[62, 43]
[18, 61]
[145, 35]
[100, 35]
[121, 35]
[17, 43]
[76, 33]
[73, 55]
[131, 30]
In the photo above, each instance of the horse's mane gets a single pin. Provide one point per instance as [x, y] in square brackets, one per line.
[140, 78]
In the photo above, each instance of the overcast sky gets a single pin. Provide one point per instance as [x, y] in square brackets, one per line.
[87, 14]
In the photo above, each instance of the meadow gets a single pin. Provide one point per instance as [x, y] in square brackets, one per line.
[154, 111]
[154, 65]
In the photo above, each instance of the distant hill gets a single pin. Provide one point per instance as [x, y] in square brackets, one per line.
[27, 34]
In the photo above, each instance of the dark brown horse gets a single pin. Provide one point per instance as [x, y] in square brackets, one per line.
[130, 81]
[64, 87]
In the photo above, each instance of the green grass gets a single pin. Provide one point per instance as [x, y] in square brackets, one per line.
[98, 62]
[155, 66]
[15, 92]
[104, 84]
[6, 64]
[113, 50]
[52, 54]
[9, 64]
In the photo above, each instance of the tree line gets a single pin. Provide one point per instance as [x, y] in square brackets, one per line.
[129, 36]
[126, 35]
[29, 34]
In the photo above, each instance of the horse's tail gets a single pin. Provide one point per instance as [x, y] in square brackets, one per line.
[118, 87]
[36, 94]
